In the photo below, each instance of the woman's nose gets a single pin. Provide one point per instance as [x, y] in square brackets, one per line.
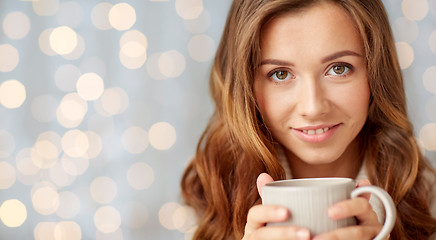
[312, 100]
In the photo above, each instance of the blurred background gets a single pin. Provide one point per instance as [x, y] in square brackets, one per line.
[102, 104]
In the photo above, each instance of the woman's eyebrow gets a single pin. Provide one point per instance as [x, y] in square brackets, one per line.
[324, 60]
[339, 55]
[276, 62]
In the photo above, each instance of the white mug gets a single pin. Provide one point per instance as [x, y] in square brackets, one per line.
[308, 200]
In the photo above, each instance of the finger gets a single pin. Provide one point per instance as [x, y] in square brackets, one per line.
[282, 232]
[358, 207]
[259, 215]
[354, 232]
[263, 179]
[364, 182]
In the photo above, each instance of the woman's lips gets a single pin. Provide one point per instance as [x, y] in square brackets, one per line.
[316, 134]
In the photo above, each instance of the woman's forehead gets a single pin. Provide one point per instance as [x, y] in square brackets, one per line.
[324, 27]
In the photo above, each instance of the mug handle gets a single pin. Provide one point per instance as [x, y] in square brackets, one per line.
[388, 204]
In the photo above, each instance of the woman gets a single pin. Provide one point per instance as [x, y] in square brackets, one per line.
[306, 88]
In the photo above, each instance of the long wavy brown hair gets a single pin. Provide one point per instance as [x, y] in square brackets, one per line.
[220, 182]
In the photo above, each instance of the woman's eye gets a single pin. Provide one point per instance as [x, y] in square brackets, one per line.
[281, 75]
[339, 70]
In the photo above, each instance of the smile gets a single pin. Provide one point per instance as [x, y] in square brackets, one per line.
[316, 134]
[316, 131]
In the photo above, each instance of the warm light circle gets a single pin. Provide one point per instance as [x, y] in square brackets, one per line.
[13, 213]
[63, 40]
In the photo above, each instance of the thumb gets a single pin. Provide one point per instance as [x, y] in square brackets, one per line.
[263, 179]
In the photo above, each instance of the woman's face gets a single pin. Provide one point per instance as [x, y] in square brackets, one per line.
[312, 86]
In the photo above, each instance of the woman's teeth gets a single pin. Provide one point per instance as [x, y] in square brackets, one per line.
[316, 131]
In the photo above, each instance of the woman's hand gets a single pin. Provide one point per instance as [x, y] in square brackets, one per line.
[368, 225]
[259, 215]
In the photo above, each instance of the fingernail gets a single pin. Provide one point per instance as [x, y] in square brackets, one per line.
[334, 211]
[282, 212]
[303, 234]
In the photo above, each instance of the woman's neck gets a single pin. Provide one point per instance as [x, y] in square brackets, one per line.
[347, 165]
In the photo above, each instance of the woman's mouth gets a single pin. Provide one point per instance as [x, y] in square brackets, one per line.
[316, 134]
[316, 131]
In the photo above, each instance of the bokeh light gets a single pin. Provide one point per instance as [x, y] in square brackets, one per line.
[44, 231]
[25, 164]
[201, 48]
[153, 67]
[7, 175]
[59, 176]
[45, 7]
[428, 137]
[137, 38]
[107, 219]
[171, 64]
[135, 140]
[63, 40]
[429, 79]
[9, 58]
[16, 25]
[75, 143]
[90, 86]
[133, 49]
[122, 16]
[184, 218]
[162, 135]
[45, 154]
[140, 176]
[415, 10]
[69, 205]
[74, 166]
[13, 213]
[45, 198]
[166, 215]
[199, 24]
[135, 215]
[12, 93]
[189, 9]
[71, 110]
[405, 54]
[95, 144]
[77, 51]
[44, 42]
[103, 189]
[67, 230]
[189, 234]
[100, 16]
[112, 102]
[132, 62]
